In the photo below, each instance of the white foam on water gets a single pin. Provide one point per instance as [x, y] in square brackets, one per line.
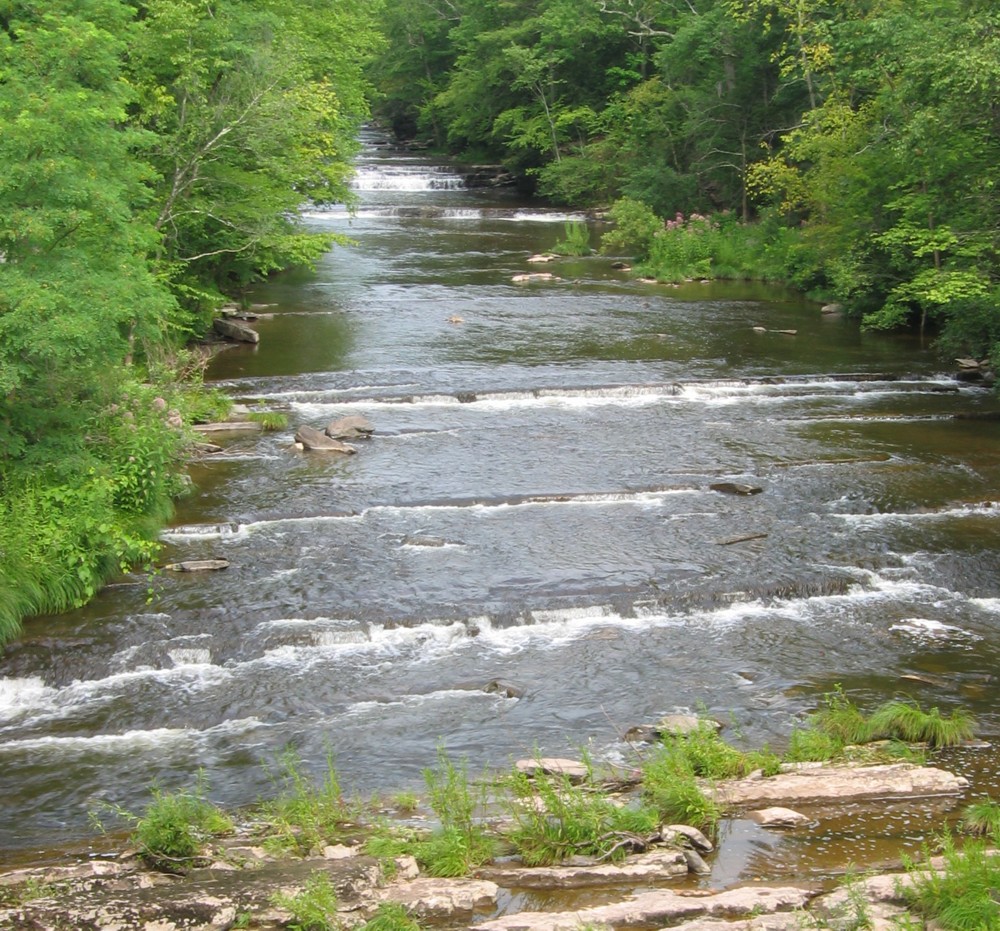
[187, 656]
[22, 694]
[983, 509]
[190, 533]
[923, 628]
[130, 742]
[403, 702]
[992, 605]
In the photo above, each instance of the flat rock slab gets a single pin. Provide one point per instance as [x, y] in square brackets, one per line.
[229, 426]
[442, 898]
[659, 907]
[573, 770]
[198, 565]
[655, 866]
[840, 784]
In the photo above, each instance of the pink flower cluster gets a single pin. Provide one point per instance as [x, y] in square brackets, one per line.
[678, 222]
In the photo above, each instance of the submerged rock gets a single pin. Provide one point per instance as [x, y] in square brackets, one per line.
[735, 488]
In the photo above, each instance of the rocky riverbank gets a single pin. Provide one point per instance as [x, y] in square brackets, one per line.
[238, 882]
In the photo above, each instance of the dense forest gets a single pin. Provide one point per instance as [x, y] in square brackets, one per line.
[156, 151]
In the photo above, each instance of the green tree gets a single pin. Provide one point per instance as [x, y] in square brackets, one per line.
[252, 108]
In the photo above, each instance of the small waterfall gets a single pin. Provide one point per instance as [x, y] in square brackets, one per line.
[407, 178]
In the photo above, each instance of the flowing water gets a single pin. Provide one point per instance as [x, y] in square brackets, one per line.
[535, 506]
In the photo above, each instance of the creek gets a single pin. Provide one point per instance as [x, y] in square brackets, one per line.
[535, 507]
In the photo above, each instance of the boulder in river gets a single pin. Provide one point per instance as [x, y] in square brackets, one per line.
[350, 427]
[504, 688]
[311, 438]
[233, 329]
[735, 488]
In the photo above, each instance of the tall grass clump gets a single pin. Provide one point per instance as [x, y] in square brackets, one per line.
[553, 819]
[173, 829]
[304, 815]
[458, 844]
[962, 896]
[671, 774]
[312, 909]
[982, 817]
[576, 239]
[907, 721]
[390, 916]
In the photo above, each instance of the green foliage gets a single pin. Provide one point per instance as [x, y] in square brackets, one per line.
[314, 908]
[981, 817]
[635, 226]
[576, 241]
[961, 897]
[303, 816]
[807, 745]
[839, 718]
[552, 819]
[907, 721]
[390, 916]
[460, 843]
[173, 829]
[676, 795]
[269, 420]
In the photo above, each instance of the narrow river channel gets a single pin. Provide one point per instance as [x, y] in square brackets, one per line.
[535, 506]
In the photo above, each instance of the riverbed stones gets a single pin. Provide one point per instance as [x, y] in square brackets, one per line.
[573, 770]
[534, 276]
[778, 817]
[851, 782]
[655, 909]
[654, 866]
[685, 834]
[313, 439]
[443, 898]
[677, 725]
[350, 427]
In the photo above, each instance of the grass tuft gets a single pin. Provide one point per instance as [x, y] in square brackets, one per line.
[314, 908]
[907, 721]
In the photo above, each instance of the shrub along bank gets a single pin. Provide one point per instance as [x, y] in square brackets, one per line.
[155, 153]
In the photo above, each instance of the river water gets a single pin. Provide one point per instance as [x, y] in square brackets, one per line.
[535, 506]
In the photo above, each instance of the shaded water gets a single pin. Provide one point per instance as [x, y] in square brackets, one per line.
[534, 506]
